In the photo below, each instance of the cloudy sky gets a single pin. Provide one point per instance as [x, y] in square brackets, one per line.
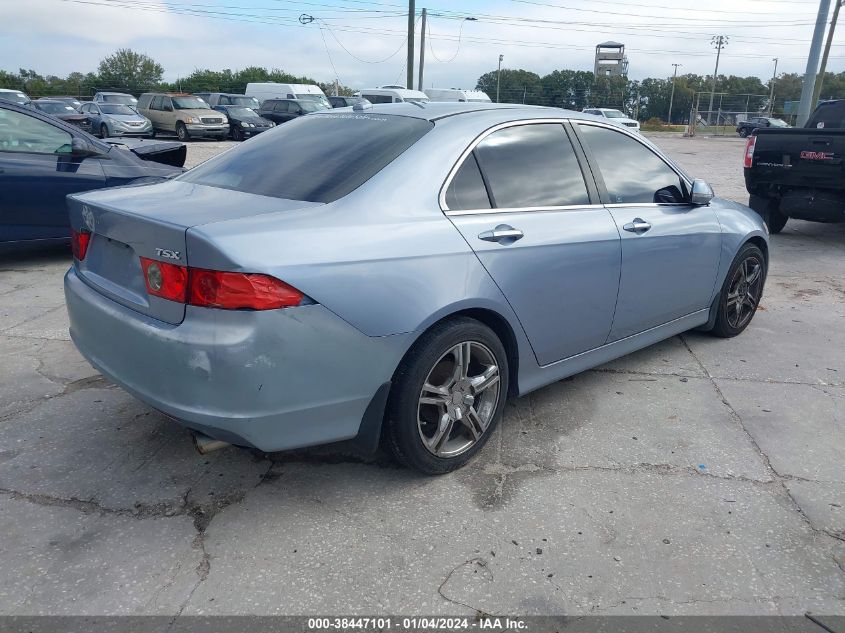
[363, 43]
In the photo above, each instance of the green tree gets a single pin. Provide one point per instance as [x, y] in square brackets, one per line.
[130, 71]
[517, 86]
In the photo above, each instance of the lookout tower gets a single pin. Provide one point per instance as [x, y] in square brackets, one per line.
[610, 60]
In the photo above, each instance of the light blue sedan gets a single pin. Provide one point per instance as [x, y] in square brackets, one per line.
[116, 119]
[395, 272]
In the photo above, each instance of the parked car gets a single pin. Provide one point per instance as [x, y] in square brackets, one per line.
[343, 102]
[244, 122]
[391, 95]
[186, 115]
[404, 271]
[226, 98]
[270, 90]
[452, 94]
[14, 96]
[615, 116]
[282, 110]
[71, 101]
[116, 119]
[42, 159]
[744, 128]
[798, 172]
[64, 111]
[115, 97]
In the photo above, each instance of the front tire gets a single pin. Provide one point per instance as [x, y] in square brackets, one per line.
[769, 210]
[448, 395]
[237, 134]
[182, 132]
[743, 132]
[741, 292]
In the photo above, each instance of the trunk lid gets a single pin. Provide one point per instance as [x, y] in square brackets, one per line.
[151, 221]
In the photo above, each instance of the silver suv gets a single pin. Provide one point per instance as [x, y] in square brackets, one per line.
[187, 115]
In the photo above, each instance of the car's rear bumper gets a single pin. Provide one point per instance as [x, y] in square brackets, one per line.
[274, 380]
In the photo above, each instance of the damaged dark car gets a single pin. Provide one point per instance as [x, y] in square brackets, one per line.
[43, 159]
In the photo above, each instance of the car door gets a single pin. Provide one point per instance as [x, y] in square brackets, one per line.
[154, 113]
[286, 110]
[36, 173]
[670, 248]
[274, 110]
[523, 204]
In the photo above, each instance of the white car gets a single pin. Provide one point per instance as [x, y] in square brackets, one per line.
[616, 116]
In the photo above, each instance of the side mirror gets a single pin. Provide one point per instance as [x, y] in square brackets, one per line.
[702, 193]
[79, 147]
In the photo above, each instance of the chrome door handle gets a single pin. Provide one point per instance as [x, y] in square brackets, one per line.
[637, 226]
[502, 233]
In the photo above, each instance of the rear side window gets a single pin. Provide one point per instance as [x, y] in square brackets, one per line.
[467, 190]
[286, 162]
[632, 173]
[531, 166]
[828, 115]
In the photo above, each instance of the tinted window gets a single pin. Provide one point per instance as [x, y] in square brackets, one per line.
[467, 190]
[531, 166]
[632, 173]
[378, 98]
[156, 104]
[281, 106]
[144, 101]
[828, 115]
[286, 162]
[22, 133]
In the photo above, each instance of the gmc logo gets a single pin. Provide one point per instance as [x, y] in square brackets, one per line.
[808, 155]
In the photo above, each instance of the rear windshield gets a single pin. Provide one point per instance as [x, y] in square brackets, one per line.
[318, 158]
[127, 99]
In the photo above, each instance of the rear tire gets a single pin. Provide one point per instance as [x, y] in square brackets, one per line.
[741, 292]
[448, 394]
[182, 132]
[769, 210]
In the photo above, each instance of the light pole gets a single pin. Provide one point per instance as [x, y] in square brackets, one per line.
[499, 77]
[772, 87]
[818, 90]
[412, 14]
[672, 96]
[719, 41]
[812, 65]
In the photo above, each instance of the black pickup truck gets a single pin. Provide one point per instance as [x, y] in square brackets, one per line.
[799, 172]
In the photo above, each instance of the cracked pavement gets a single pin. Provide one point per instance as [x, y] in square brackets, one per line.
[698, 476]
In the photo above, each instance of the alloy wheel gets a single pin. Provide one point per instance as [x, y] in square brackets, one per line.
[458, 399]
[744, 292]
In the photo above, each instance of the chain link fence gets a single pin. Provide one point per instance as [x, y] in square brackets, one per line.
[718, 114]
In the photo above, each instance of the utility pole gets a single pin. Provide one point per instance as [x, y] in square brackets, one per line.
[812, 65]
[820, 80]
[499, 77]
[422, 52]
[412, 13]
[672, 95]
[719, 41]
[772, 87]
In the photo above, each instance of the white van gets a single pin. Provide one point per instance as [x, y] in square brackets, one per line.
[392, 95]
[453, 94]
[271, 90]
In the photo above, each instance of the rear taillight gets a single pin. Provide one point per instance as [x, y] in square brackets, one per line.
[749, 151]
[235, 291]
[164, 280]
[79, 243]
[217, 289]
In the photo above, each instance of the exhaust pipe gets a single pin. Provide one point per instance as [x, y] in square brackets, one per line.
[205, 444]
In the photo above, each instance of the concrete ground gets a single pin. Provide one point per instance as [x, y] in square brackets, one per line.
[699, 476]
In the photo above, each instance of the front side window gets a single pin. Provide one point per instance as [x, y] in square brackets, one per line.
[22, 133]
[632, 173]
[531, 166]
[285, 162]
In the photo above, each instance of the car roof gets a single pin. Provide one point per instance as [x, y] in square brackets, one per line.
[434, 110]
[105, 92]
